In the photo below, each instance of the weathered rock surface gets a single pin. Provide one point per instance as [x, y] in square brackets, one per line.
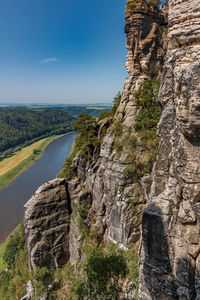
[46, 225]
[170, 240]
[101, 183]
[29, 290]
[104, 176]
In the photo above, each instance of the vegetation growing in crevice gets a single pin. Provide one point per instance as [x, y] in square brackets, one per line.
[116, 102]
[146, 127]
[80, 214]
[140, 147]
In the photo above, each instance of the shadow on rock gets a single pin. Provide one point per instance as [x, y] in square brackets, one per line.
[161, 281]
[157, 270]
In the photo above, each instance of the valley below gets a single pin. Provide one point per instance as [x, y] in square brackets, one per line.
[18, 192]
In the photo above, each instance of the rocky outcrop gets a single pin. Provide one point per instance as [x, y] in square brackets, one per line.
[170, 253]
[29, 290]
[46, 227]
[114, 201]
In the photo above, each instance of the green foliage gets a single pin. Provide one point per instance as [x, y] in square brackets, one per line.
[131, 258]
[86, 125]
[81, 213]
[146, 127]
[149, 114]
[118, 129]
[42, 277]
[104, 115]
[15, 244]
[116, 102]
[13, 282]
[85, 143]
[21, 127]
[87, 140]
[67, 171]
[101, 274]
[148, 94]
[36, 151]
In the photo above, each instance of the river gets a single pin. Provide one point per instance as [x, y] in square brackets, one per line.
[18, 192]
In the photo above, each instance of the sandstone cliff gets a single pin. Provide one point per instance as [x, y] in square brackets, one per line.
[101, 183]
[170, 259]
[108, 192]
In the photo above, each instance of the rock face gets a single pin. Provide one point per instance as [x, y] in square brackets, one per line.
[100, 184]
[170, 254]
[170, 242]
[46, 227]
[29, 290]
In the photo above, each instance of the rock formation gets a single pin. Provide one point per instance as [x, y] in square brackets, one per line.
[101, 184]
[170, 247]
[46, 226]
[170, 254]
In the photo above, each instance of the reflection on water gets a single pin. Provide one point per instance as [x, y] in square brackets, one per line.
[18, 192]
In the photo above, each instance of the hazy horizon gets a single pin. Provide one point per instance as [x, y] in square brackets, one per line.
[56, 103]
[62, 52]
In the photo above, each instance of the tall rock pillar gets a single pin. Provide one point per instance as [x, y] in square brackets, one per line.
[170, 253]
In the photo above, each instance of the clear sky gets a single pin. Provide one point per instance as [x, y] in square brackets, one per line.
[61, 51]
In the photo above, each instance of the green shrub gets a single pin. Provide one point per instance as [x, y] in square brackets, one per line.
[13, 282]
[105, 114]
[146, 128]
[116, 102]
[42, 277]
[101, 276]
[102, 272]
[15, 244]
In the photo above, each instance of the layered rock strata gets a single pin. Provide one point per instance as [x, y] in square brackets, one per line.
[46, 227]
[170, 254]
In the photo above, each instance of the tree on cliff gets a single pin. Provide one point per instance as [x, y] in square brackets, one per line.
[86, 125]
[116, 101]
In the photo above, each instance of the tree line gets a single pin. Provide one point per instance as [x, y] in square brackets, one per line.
[20, 126]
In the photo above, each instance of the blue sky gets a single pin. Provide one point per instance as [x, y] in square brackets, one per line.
[61, 51]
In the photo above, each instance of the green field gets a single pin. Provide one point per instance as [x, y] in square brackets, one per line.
[2, 249]
[21, 160]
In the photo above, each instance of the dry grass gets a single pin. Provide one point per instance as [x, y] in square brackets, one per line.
[21, 160]
[11, 162]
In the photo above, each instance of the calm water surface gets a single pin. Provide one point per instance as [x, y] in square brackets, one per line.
[18, 192]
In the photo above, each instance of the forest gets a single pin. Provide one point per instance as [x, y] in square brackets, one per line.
[22, 126]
